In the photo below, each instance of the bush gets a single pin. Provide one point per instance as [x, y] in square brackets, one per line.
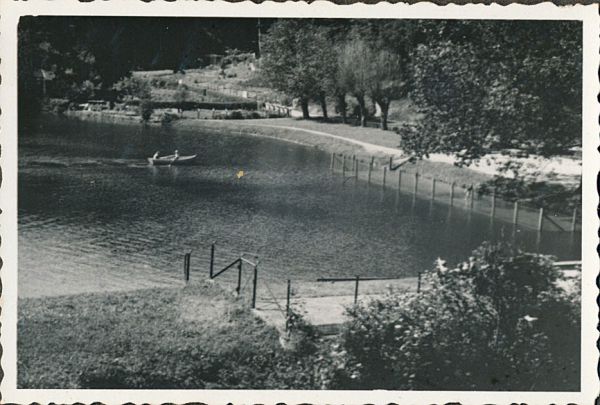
[495, 322]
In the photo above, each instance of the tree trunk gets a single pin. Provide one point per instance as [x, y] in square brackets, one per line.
[342, 107]
[304, 105]
[385, 107]
[363, 110]
[323, 101]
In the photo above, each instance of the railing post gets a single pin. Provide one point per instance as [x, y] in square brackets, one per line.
[452, 194]
[433, 189]
[239, 280]
[574, 220]
[370, 170]
[516, 212]
[419, 282]
[356, 290]
[212, 260]
[540, 220]
[254, 282]
[416, 183]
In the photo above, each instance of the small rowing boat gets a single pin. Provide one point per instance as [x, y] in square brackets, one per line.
[171, 160]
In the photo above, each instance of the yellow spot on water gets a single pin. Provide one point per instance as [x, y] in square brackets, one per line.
[240, 174]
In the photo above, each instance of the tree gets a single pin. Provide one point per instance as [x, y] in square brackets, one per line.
[483, 86]
[386, 83]
[296, 59]
[497, 321]
[354, 73]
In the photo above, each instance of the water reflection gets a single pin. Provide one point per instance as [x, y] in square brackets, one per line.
[99, 212]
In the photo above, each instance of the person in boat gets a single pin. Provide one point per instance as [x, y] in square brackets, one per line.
[176, 156]
[156, 154]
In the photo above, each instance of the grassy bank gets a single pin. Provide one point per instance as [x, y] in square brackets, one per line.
[196, 337]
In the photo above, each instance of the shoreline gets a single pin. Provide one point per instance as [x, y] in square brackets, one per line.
[364, 143]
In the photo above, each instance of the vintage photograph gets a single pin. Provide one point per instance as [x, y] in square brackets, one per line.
[243, 203]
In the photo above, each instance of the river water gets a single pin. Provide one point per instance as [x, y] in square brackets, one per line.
[94, 216]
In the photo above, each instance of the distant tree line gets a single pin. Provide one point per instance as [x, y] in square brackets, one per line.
[83, 57]
[478, 85]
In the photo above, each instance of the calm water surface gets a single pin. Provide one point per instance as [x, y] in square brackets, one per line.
[93, 215]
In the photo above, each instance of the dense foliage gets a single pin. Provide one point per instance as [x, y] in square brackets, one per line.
[482, 87]
[479, 85]
[498, 321]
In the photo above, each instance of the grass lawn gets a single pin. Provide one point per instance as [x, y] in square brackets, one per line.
[196, 337]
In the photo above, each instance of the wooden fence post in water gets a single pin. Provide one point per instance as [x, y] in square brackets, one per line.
[516, 212]
[399, 180]
[493, 212]
[353, 163]
[254, 282]
[370, 170]
[452, 194]
[343, 166]
[384, 176]
[186, 267]
[356, 170]
[433, 189]
[540, 219]
[472, 196]
[332, 163]
[419, 282]
[574, 220]
[416, 183]
[356, 290]
[212, 260]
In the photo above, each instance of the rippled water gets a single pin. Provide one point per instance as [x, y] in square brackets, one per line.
[94, 216]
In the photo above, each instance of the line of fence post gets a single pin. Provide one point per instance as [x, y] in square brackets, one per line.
[574, 220]
[493, 211]
[516, 212]
[419, 282]
[356, 171]
[452, 194]
[186, 267]
[356, 290]
[370, 170]
[254, 283]
[433, 189]
[343, 166]
[384, 176]
[331, 164]
[353, 163]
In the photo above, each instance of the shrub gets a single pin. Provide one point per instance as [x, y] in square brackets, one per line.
[497, 321]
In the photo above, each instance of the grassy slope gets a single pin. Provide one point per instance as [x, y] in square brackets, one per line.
[163, 338]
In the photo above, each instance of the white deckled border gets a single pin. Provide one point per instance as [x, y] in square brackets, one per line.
[8, 192]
